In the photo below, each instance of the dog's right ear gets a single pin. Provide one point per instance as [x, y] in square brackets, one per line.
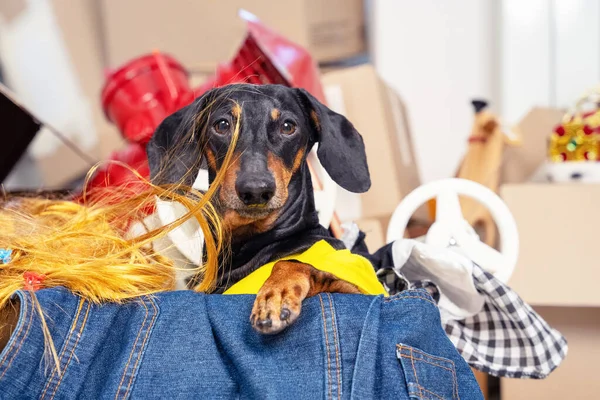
[341, 149]
[175, 149]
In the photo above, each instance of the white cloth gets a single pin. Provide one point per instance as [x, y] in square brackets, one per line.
[452, 273]
[167, 247]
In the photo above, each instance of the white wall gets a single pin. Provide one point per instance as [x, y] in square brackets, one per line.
[38, 68]
[576, 61]
[518, 54]
[526, 53]
[438, 55]
[550, 53]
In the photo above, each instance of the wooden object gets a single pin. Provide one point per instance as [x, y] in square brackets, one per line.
[482, 164]
[482, 380]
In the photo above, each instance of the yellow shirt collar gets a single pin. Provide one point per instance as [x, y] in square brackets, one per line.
[343, 264]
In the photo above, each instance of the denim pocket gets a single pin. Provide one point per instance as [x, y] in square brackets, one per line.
[427, 377]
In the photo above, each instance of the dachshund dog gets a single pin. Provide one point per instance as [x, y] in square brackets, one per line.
[266, 198]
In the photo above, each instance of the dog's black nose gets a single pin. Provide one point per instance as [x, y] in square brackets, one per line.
[255, 191]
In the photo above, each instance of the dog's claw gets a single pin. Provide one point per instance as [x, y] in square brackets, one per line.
[285, 314]
[272, 313]
[264, 323]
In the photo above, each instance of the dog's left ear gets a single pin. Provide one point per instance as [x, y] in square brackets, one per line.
[341, 149]
[175, 149]
[172, 156]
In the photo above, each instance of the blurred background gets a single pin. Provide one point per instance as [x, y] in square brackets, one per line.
[405, 72]
[436, 56]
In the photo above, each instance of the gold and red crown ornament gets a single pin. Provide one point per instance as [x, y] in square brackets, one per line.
[577, 138]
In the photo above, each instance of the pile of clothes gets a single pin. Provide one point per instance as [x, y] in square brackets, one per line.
[494, 330]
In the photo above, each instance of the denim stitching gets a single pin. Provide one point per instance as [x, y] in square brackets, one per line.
[133, 348]
[64, 347]
[429, 355]
[426, 362]
[412, 361]
[421, 293]
[423, 354]
[389, 300]
[79, 335]
[445, 360]
[20, 345]
[326, 347]
[429, 391]
[148, 330]
[424, 357]
[415, 393]
[18, 333]
[337, 347]
[26, 313]
[455, 384]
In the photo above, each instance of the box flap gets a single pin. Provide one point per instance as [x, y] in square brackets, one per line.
[10, 9]
[520, 162]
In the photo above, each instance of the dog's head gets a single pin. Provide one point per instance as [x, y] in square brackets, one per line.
[276, 128]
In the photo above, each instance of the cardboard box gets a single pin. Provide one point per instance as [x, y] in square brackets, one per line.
[201, 34]
[521, 162]
[378, 114]
[374, 231]
[81, 39]
[555, 221]
[57, 73]
[557, 234]
[557, 259]
[577, 377]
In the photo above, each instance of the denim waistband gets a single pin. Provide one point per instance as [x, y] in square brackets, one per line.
[188, 345]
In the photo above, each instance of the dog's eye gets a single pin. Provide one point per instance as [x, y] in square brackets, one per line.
[222, 126]
[288, 127]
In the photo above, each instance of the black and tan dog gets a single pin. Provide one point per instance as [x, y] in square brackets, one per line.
[266, 199]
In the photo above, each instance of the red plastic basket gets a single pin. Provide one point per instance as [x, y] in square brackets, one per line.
[139, 95]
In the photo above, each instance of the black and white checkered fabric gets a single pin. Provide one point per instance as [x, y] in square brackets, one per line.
[507, 338]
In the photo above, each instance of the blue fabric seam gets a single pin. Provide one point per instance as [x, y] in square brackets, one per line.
[10, 351]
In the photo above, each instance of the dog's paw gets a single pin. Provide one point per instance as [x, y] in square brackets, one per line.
[279, 300]
[275, 308]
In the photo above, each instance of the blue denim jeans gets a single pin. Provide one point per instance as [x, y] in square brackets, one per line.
[188, 345]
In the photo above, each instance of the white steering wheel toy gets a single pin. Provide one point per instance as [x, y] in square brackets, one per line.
[451, 230]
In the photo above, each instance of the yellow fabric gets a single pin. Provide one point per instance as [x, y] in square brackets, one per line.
[341, 263]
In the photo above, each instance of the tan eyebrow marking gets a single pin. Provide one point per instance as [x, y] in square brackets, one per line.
[275, 114]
